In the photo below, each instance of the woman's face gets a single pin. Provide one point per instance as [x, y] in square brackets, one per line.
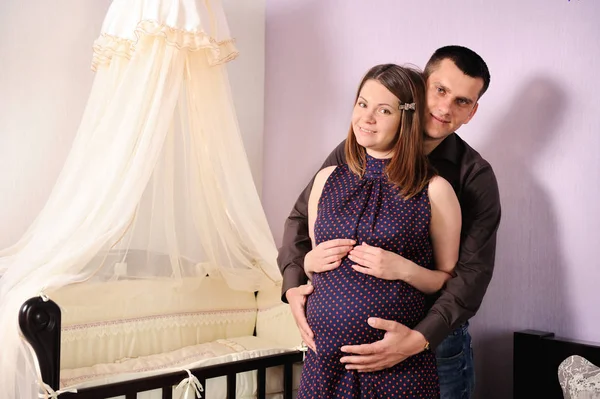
[375, 119]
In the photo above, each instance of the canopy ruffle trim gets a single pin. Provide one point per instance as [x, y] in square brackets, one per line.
[107, 46]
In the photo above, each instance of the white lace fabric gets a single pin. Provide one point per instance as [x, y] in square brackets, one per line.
[579, 378]
[107, 46]
[157, 184]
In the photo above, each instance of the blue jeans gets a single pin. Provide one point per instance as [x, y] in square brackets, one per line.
[455, 365]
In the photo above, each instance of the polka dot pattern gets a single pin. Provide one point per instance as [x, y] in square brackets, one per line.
[368, 210]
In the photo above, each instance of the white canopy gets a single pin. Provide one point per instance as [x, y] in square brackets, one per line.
[157, 184]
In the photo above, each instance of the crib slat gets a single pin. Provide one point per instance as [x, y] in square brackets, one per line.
[167, 392]
[202, 382]
[231, 386]
[261, 380]
[129, 389]
[287, 380]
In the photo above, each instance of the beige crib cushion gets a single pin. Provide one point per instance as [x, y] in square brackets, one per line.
[109, 321]
[220, 351]
[274, 321]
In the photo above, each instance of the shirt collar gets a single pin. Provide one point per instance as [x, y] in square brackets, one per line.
[447, 149]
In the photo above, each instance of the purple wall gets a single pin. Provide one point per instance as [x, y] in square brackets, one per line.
[538, 125]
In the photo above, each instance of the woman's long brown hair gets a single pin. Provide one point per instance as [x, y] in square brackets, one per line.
[409, 168]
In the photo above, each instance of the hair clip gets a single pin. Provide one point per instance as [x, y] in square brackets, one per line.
[407, 106]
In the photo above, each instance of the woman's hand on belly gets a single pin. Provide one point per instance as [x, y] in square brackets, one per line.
[377, 262]
[327, 256]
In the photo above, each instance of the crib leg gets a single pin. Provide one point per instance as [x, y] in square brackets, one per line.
[231, 385]
[39, 321]
[167, 392]
[261, 380]
[288, 376]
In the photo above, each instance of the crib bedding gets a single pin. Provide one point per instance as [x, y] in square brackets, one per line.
[123, 330]
[107, 342]
[217, 352]
[108, 321]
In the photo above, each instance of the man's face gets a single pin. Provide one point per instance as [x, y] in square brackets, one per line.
[451, 100]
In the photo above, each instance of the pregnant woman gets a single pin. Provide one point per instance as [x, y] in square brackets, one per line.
[388, 199]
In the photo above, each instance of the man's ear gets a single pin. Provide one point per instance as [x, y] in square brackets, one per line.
[472, 114]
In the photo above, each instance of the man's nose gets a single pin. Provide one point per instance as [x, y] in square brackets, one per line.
[444, 105]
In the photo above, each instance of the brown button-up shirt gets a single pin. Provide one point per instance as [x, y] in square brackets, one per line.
[477, 190]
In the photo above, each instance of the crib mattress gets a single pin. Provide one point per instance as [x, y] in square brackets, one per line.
[206, 354]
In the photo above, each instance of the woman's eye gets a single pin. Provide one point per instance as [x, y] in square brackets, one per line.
[440, 90]
[384, 111]
[362, 105]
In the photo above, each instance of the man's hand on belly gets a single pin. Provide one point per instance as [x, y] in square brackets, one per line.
[297, 300]
[398, 344]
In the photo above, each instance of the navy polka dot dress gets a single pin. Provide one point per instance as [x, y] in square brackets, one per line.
[368, 210]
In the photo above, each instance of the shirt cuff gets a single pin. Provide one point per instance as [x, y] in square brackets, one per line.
[293, 276]
[434, 328]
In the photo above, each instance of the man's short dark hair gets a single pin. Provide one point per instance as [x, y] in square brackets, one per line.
[468, 61]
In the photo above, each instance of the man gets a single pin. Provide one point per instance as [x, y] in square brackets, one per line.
[456, 77]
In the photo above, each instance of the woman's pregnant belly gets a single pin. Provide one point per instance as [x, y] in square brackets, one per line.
[343, 300]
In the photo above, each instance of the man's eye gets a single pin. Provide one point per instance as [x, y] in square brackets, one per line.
[440, 90]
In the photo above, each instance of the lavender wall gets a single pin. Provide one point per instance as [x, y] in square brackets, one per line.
[538, 125]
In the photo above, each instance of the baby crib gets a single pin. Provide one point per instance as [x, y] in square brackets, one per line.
[251, 355]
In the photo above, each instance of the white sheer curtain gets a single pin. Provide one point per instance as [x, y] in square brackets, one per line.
[157, 184]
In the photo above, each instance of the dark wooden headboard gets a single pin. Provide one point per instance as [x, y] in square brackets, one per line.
[536, 357]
